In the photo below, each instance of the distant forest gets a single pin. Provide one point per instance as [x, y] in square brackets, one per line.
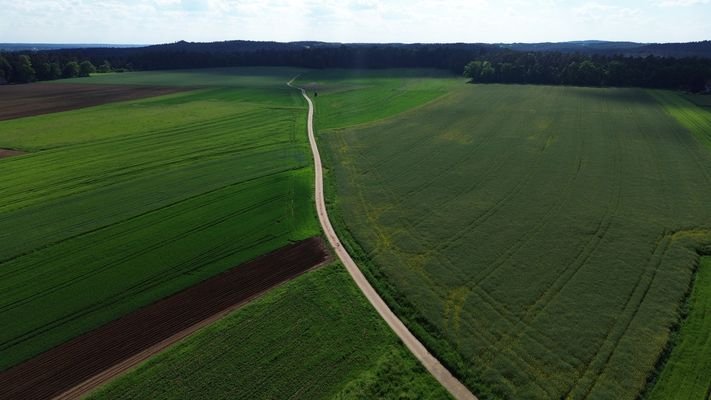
[691, 74]
[573, 63]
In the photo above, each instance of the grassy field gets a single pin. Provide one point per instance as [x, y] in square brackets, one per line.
[344, 98]
[282, 346]
[686, 373]
[243, 77]
[123, 204]
[539, 239]
[696, 120]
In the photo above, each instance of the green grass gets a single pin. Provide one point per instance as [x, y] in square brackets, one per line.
[157, 114]
[314, 337]
[696, 119]
[686, 373]
[123, 204]
[351, 97]
[242, 77]
[538, 239]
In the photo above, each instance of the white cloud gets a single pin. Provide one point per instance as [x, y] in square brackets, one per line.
[681, 3]
[606, 12]
[159, 21]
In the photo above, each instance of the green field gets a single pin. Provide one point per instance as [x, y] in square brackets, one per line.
[344, 98]
[539, 239]
[123, 204]
[686, 373]
[243, 77]
[696, 120]
[315, 337]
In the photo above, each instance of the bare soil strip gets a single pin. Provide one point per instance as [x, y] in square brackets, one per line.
[17, 101]
[75, 367]
[432, 364]
[9, 153]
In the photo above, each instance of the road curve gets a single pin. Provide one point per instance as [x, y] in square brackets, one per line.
[452, 384]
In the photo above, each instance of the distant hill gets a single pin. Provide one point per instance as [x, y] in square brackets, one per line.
[573, 47]
[246, 46]
[59, 46]
[690, 49]
[231, 46]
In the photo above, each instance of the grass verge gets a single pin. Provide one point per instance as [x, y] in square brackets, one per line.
[684, 372]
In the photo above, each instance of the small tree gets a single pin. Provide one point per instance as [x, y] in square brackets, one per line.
[479, 71]
[49, 71]
[105, 67]
[487, 72]
[589, 73]
[71, 70]
[616, 73]
[473, 71]
[55, 71]
[23, 70]
[86, 68]
[43, 72]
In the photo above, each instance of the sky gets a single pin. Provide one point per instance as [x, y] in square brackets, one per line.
[404, 21]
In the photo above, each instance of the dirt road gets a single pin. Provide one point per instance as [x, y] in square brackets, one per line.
[452, 384]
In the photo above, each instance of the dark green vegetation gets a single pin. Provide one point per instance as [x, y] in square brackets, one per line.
[700, 100]
[582, 63]
[314, 337]
[686, 373]
[539, 239]
[123, 204]
[579, 69]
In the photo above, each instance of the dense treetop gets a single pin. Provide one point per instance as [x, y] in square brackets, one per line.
[585, 70]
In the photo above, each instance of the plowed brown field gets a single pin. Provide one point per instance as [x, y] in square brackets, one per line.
[72, 364]
[18, 101]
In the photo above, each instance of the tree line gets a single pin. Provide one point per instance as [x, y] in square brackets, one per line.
[490, 63]
[183, 55]
[24, 68]
[692, 74]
